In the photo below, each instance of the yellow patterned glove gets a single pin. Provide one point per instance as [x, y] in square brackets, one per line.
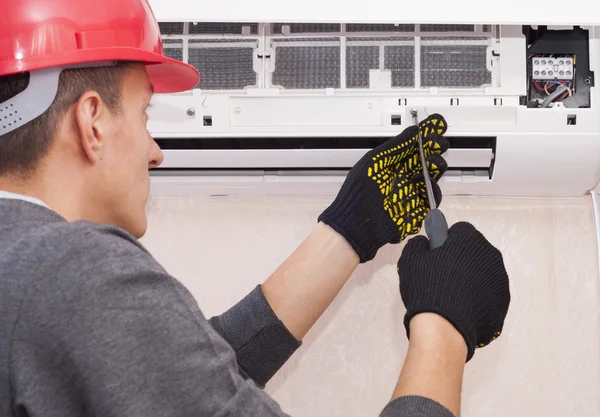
[384, 199]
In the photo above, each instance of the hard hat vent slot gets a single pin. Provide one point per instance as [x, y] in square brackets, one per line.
[31, 102]
[36, 98]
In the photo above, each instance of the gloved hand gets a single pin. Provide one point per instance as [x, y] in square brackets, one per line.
[384, 199]
[464, 281]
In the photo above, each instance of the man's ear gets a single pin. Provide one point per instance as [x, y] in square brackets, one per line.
[90, 122]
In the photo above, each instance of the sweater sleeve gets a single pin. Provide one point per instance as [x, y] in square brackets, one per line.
[262, 344]
[261, 341]
[415, 406]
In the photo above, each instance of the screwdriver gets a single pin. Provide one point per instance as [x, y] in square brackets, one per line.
[436, 226]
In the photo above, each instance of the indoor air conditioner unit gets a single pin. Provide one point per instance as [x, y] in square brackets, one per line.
[291, 97]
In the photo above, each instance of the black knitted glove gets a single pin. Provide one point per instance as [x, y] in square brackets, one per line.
[464, 281]
[383, 199]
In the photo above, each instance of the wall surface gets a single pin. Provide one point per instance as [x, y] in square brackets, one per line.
[547, 362]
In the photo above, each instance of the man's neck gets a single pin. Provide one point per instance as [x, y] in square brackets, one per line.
[31, 189]
[54, 184]
[18, 188]
[14, 196]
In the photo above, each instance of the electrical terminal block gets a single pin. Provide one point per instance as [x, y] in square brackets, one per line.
[552, 68]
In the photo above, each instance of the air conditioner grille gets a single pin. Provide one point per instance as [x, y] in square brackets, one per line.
[401, 61]
[454, 65]
[219, 28]
[317, 56]
[359, 60]
[307, 27]
[224, 68]
[307, 67]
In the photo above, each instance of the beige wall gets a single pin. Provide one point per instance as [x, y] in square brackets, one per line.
[547, 362]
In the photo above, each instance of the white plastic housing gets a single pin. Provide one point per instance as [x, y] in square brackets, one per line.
[519, 12]
[539, 152]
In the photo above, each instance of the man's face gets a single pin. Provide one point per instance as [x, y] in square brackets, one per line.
[130, 152]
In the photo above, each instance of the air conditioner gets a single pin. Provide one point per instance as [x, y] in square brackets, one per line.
[292, 95]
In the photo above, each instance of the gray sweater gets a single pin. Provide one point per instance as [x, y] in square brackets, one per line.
[92, 325]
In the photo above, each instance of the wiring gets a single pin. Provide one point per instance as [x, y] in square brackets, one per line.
[538, 87]
[558, 92]
[548, 88]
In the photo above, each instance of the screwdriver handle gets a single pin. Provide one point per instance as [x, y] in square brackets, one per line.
[436, 228]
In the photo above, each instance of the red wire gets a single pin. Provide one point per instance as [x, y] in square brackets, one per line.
[537, 87]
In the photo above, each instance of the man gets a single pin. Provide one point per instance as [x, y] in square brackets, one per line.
[91, 325]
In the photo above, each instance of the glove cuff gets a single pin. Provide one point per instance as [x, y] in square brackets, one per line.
[360, 240]
[467, 332]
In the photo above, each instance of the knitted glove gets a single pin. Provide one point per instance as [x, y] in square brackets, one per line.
[464, 281]
[384, 199]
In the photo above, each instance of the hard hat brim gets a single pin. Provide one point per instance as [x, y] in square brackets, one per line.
[167, 75]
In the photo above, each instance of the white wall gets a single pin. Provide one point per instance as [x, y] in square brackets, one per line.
[547, 362]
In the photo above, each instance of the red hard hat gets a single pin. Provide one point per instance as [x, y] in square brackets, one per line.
[38, 34]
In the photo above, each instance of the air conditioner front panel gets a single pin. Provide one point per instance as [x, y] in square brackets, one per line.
[284, 107]
[536, 165]
[539, 166]
[312, 112]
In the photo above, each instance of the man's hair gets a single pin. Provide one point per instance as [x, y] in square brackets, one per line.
[22, 150]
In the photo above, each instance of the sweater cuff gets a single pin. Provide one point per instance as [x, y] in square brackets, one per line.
[261, 341]
[415, 406]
